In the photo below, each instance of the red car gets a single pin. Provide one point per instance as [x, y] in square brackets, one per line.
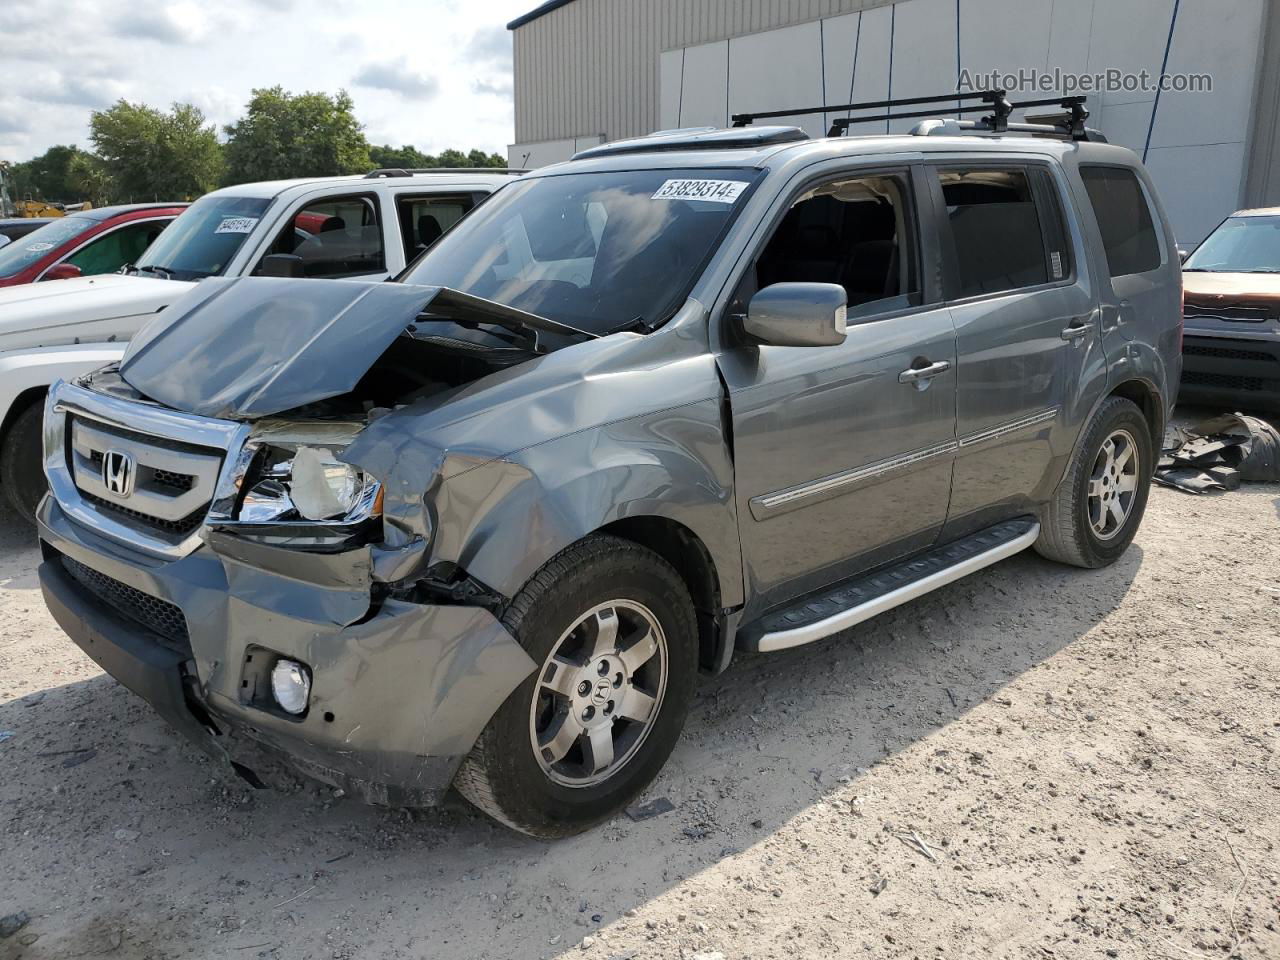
[85, 243]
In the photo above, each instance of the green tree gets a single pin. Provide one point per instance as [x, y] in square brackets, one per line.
[295, 135]
[47, 177]
[92, 180]
[153, 155]
[404, 158]
[478, 158]
[409, 157]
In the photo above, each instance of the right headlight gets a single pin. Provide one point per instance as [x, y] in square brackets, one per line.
[304, 496]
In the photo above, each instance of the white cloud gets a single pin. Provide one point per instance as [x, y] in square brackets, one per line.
[398, 77]
[215, 54]
[179, 23]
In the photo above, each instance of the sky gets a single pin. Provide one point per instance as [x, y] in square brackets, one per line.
[431, 73]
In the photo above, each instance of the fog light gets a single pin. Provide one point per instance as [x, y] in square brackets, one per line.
[291, 685]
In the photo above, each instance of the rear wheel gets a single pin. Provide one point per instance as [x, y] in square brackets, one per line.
[612, 627]
[22, 462]
[1098, 507]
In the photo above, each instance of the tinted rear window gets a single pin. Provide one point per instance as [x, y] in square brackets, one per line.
[996, 231]
[1124, 219]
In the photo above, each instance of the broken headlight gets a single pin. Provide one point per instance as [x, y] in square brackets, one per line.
[304, 496]
[308, 483]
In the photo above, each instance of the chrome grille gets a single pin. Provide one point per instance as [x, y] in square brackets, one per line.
[167, 469]
[169, 485]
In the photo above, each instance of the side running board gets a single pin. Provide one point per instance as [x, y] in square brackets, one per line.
[853, 601]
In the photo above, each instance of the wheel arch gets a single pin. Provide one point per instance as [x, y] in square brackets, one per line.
[1146, 396]
[23, 400]
[693, 562]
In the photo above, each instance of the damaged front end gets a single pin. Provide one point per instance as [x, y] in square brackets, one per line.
[214, 526]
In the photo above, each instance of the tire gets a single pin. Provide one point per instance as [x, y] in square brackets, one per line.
[1069, 530]
[22, 462]
[564, 609]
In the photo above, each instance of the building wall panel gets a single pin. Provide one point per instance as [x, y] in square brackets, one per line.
[778, 69]
[704, 98]
[620, 68]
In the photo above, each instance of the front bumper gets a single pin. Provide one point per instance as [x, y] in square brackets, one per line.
[1234, 372]
[398, 697]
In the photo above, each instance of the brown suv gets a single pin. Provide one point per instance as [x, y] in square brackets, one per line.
[1231, 345]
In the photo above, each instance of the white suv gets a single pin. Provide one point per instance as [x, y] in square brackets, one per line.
[365, 227]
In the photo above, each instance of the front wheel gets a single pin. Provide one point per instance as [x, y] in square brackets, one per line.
[22, 462]
[612, 627]
[1096, 510]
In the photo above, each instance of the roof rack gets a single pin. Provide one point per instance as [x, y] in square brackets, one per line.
[994, 102]
[411, 171]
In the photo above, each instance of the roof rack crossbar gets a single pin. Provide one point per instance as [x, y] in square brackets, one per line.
[386, 172]
[996, 102]
[745, 119]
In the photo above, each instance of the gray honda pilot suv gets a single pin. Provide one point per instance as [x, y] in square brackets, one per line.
[686, 395]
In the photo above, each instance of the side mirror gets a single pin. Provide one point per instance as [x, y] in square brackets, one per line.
[282, 265]
[61, 271]
[798, 315]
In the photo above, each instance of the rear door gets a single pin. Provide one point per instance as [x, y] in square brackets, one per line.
[842, 453]
[1140, 279]
[1027, 334]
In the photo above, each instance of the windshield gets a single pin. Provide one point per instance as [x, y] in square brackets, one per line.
[598, 251]
[27, 250]
[1240, 245]
[203, 239]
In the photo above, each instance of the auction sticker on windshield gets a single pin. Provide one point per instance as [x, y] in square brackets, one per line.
[715, 191]
[237, 225]
[39, 247]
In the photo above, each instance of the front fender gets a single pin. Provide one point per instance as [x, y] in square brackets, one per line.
[502, 520]
[39, 367]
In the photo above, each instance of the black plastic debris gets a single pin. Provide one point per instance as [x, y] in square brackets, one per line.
[1220, 454]
[646, 811]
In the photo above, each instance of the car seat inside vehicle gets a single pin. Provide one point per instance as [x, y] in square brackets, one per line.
[849, 233]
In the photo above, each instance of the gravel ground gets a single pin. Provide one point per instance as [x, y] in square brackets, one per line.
[1034, 762]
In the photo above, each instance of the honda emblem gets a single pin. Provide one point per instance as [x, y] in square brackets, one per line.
[117, 473]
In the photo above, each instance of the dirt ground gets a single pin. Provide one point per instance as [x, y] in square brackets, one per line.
[1034, 762]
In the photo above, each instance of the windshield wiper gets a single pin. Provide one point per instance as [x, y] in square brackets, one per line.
[634, 325]
[158, 271]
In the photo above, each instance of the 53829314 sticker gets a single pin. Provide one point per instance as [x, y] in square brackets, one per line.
[237, 225]
[39, 247]
[711, 191]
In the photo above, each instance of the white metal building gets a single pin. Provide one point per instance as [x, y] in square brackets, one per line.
[587, 71]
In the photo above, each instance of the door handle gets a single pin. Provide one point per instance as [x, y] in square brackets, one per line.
[1078, 327]
[916, 374]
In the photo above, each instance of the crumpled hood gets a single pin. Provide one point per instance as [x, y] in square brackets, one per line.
[250, 347]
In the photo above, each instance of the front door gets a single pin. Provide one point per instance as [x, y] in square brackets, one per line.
[1027, 336]
[843, 453]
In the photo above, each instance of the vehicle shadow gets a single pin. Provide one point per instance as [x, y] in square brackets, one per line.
[19, 552]
[102, 796]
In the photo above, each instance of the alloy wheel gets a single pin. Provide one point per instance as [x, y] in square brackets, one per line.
[1113, 484]
[598, 693]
